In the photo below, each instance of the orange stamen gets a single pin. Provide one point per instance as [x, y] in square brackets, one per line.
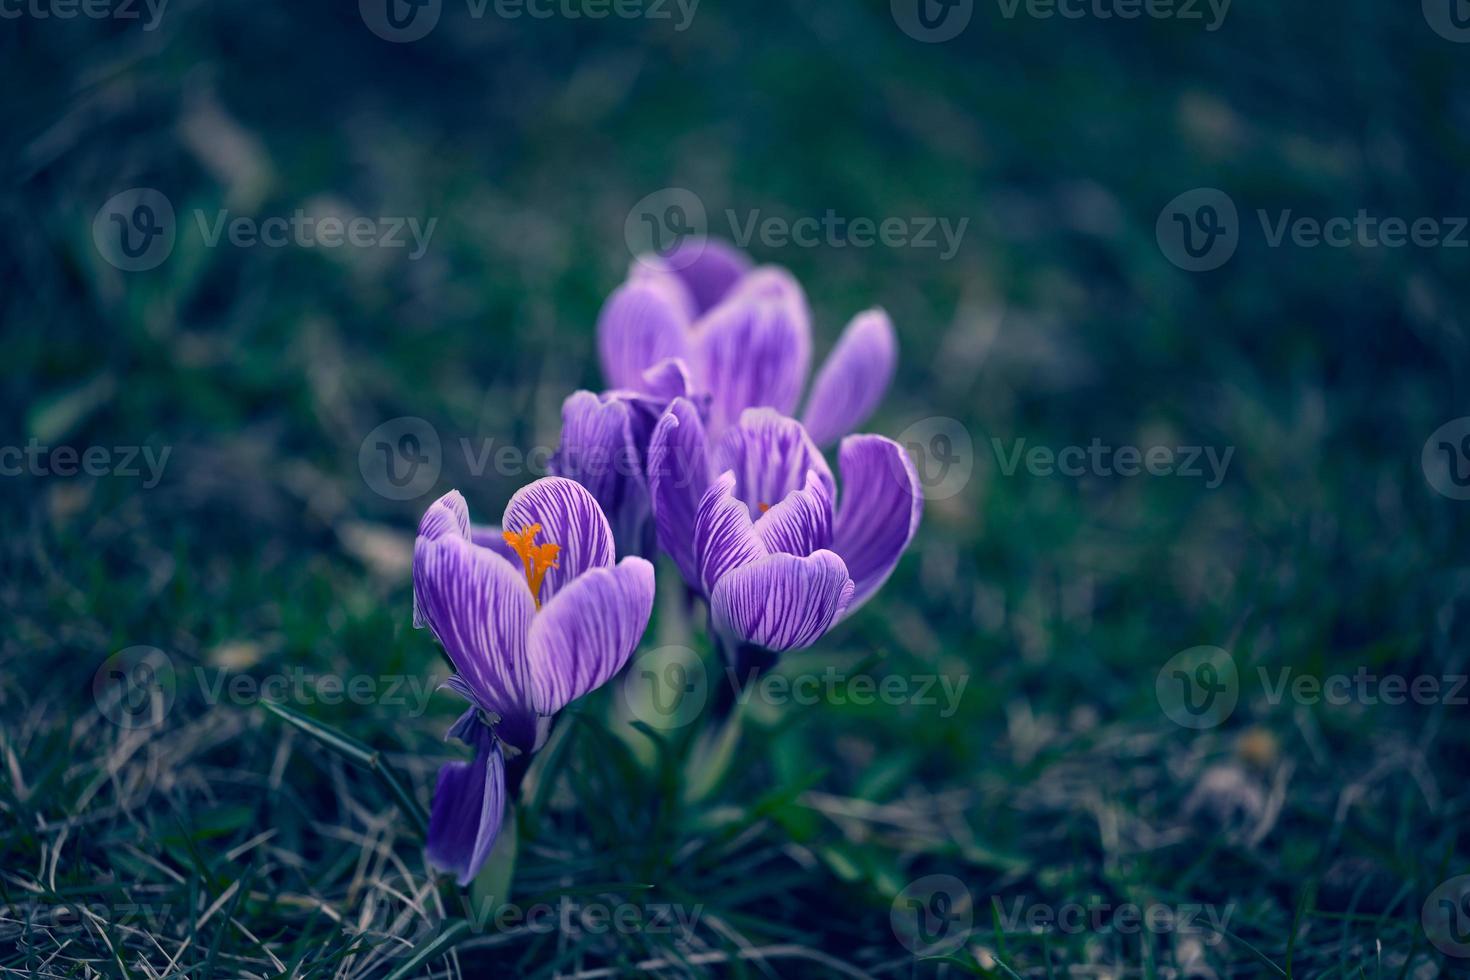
[764, 507]
[535, 558]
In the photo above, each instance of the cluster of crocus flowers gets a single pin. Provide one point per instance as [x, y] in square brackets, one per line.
[695, 451]
[533, 615]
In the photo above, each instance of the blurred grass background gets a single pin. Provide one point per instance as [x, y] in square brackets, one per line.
[1058, 321]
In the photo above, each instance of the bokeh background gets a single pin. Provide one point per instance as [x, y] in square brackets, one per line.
[243, 848]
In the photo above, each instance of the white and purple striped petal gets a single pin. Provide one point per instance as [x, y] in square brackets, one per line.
[468, 807]
[598, 450]
[770, 456]
[882, 503]
[479, 608]
[569, 517]
[755, 348]
[853, 379]
[678, 476]
[642, 323]
[782, 602]
[583, 637]
[724, 535]
[802, 522]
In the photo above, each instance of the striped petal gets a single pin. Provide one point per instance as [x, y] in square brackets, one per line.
[570, 517]
[782, 602]
[468, 807]
[708, 268]
[678, 476]
[755, 348]
[882, 503]
[770, 456]
[583, 637]
[642, 323]
[802, 522]
[599, 452]
[853, 379]
[479, 608]
[724, 535]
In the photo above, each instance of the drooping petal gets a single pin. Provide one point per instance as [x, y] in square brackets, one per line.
[882, 502]
[755, 348]
[801, 523]
[583, 637]
[678, 475]
[770, 456]
[853, 379]
[598, 451]
[570, 518]
[782, 602]
[641, 323]
[469, 804]
[709, 269]
[724, 535]
[479, 608]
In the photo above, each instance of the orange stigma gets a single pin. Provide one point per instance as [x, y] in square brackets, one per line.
[764, 507]
[535, 558]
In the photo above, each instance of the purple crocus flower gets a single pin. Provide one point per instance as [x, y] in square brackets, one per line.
[745, 333]
[533, 617]
[702, 323]
[755, 525]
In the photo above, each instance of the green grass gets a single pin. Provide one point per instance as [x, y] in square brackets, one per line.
[223, 842]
